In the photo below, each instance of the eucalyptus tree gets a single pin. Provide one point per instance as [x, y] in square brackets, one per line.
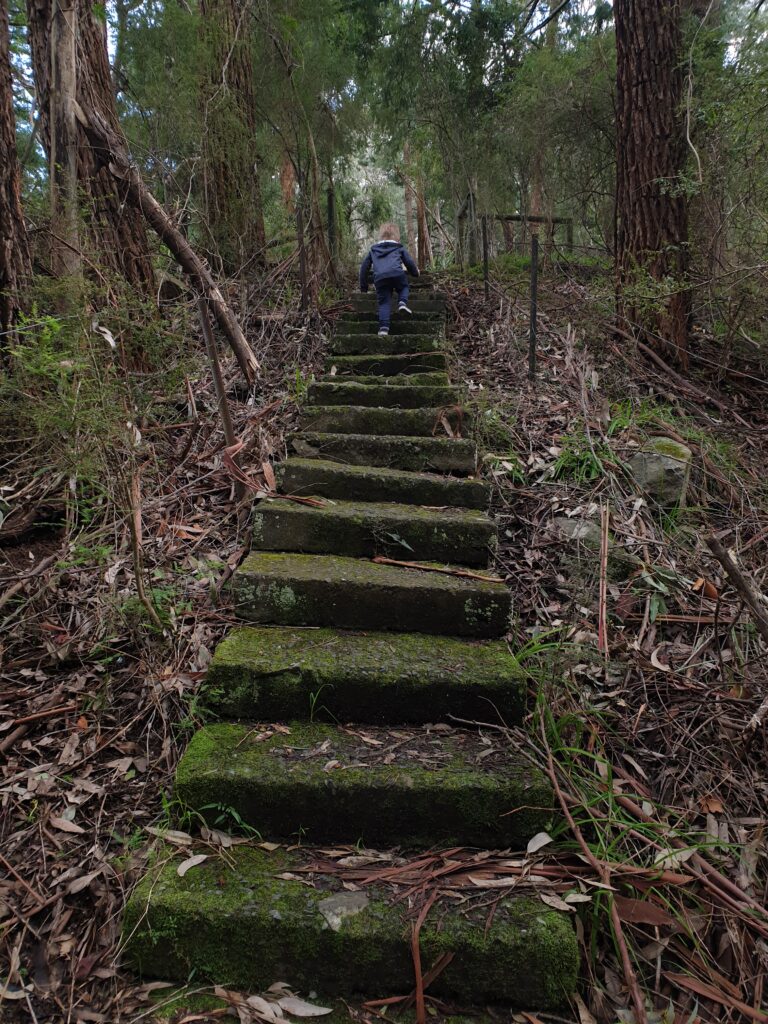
[15, 264]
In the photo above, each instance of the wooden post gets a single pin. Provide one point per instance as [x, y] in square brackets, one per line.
[486, 283]
[302, 255]
[534, 305]
[218, 382]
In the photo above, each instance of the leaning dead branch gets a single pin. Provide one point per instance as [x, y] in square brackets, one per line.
[114, 156]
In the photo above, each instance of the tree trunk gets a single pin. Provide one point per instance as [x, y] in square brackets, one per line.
[424, 243]
[117, 231]
[410, 231]
[15, 265]
[232, 200]
[288, 184]
[508, 228]
[65, 240]
[652, 219]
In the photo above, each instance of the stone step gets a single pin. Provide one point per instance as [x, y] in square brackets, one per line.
[410, 787]
[388, 365]
[256, 916]
[351, 593]
[376, 483]
[434, 454]
[390, 344]
[344, 392]
[422, 324]
[275, 673]
[361, 419]
[430, 302]
[435, 379]
[365, 529]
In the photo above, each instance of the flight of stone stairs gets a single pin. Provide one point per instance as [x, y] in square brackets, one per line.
[336, 709]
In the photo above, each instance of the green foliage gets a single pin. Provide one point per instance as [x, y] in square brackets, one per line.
[581, 461]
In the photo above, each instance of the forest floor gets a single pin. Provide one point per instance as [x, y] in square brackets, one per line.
[642, 689]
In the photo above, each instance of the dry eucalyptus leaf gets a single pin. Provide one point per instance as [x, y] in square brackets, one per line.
[190, 862]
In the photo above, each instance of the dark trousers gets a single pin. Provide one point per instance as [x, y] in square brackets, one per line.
[384, 289]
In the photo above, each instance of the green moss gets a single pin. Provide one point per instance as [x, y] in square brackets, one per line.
[399, 380]
[365, 529]
[384, 396]
[282, 786]
[379, 484]
[272, 673]
[238, 923]
[439, 454]
[360, 343]
[672, 449]
[361, 419]
[351, 593]
[391, 365]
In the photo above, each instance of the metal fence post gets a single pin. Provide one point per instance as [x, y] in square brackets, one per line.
[485, 258]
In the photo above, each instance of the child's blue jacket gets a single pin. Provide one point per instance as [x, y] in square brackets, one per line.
[387, 259]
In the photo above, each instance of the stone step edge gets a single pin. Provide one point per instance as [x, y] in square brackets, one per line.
[325, 478]
[352, 593]
[365, 529]
[250, 919]
[274, 672]
[397, 451]
[312, 780]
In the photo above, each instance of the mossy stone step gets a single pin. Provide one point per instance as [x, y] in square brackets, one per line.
[351, 593]
[430, 302]
[437, 454]
[273, 673]
[388, 365]
[408, 787]
[375, 483]
[413, 380]
[343, 392]
[360, 419]
[396, 344]
[422, 323]
[364, 529]
[257, 917]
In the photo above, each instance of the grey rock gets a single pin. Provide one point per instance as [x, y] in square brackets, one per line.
[662, 468]
[345, 904]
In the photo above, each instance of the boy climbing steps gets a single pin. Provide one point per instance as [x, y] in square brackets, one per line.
[390, 260]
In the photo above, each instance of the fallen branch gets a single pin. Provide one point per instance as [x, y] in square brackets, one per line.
[115, 157]
[741, 583]
[381, 560]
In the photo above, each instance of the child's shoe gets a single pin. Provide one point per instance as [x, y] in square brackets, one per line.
[402, 308]
[383, 332]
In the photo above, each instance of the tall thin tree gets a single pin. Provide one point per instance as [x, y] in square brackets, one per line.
[652, 255]
[14, 247]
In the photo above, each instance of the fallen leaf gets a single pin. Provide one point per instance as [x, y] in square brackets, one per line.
[540, 840]
[701, 988]
[190, 862]
[170, 835]
[712, 804]
[269, 475]
[493, 883]
[642, 912]
[555, 902]
[65, 826]
[299, 1008]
